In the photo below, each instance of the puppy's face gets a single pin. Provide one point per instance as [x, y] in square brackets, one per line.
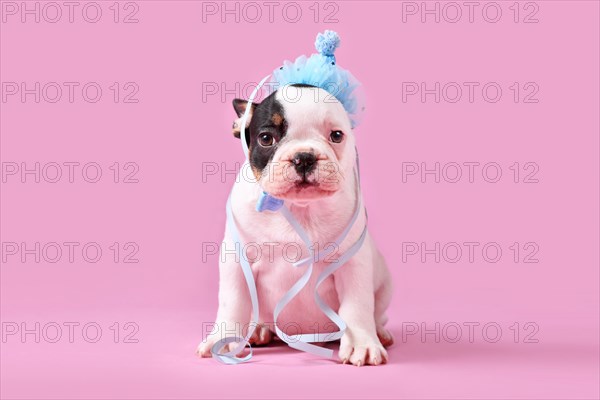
[300, 141]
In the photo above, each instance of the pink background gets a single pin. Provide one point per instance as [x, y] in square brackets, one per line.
[171, 132]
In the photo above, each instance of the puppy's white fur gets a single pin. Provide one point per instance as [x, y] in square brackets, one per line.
[359, 291]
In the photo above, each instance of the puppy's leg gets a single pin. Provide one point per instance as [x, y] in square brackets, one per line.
[354, 283]
[233, 315]
[383, 296]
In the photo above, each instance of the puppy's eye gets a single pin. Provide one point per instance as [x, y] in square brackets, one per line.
[265, 139]
[336, 136]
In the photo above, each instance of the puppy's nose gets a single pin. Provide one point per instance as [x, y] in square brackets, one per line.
[304, 162]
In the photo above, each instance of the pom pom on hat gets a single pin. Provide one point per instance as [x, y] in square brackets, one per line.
[327, 42]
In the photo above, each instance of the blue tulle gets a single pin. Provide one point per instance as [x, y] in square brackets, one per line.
[321, 70]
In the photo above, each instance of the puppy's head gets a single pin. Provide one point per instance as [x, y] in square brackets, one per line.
[300, 142]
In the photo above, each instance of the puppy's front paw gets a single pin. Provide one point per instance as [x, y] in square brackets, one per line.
[203, 349]
[362, 351]
[261, 336]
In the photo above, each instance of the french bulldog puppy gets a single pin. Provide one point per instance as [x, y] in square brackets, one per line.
[302, 150]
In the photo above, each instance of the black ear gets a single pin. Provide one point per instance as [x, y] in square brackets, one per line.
[239, 106]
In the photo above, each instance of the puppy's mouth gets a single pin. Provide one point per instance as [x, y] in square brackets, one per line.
[303, 189]
[304, 183]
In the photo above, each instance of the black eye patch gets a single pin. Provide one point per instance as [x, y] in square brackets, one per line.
[267, 117]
